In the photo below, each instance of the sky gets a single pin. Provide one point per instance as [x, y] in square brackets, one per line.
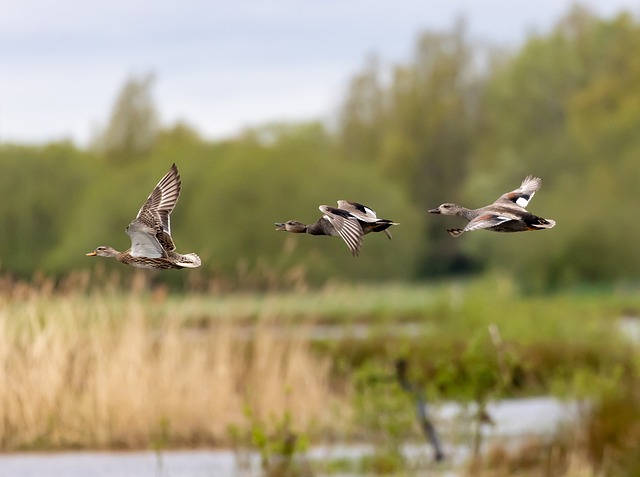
[221, 66]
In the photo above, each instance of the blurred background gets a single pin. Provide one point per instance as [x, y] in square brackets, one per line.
[280, 343]
[272, 111]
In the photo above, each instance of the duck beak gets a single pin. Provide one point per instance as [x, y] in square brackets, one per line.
[280, 226]
[434, 211]
[91, 254]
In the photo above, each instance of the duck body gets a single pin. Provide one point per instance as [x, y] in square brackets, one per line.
[350, 221]
[152, 246]
[322, 227]
[506, 214]
[172, 261]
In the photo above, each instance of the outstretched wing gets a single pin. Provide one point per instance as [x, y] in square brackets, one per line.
[523, 194]
[150, 232]
[346, 225]
[161, 202]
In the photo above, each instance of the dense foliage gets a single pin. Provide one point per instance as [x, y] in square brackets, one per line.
[456, 123]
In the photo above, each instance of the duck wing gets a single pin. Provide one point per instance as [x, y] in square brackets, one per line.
[360, 211]
[144, 241]
[486, 220]
[523, 194]
[150, 232]
[346, 225]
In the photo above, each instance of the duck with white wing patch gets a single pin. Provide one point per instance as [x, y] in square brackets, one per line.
[350, 221]
[506, 214]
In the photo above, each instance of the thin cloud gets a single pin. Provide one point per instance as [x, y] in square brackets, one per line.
[220, 65]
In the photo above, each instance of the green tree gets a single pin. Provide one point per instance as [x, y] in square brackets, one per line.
[233, 192]
[285, 172]
[363, 116]
[565, 107]
[133, 126]
[420, 130]
[41, 184]
[604, 120]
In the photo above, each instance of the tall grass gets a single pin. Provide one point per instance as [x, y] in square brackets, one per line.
[93, 371]
[94, 362]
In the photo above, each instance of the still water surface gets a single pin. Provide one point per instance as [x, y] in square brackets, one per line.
[115, 464]
[511, 419]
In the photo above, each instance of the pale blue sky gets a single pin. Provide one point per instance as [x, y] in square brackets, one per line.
[222, 65]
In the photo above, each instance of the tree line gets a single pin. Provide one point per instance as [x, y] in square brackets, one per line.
[458, 122]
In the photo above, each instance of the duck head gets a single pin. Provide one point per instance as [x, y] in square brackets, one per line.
[291, 226]
[446, 209]
[103, 251]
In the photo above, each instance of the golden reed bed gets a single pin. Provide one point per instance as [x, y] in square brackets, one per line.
[90, 370]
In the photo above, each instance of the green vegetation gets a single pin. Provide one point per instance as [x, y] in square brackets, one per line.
[280, 447]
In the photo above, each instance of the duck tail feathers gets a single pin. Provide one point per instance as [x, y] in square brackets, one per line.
[544, 223]
[189, 260]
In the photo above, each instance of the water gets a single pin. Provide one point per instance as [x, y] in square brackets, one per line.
[511, 419]
[205, 463]
[537, 416]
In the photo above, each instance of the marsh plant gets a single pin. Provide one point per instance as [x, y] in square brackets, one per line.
[280, 447]
[384, 417]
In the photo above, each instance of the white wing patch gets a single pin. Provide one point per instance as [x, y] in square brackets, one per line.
[370, 212]
[523, 194]
[361, 212]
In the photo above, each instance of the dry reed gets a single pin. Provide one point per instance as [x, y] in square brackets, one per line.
[97, 371]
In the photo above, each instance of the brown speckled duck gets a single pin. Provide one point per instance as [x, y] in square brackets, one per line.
[350, 220]
[507, 214]
[150, 232]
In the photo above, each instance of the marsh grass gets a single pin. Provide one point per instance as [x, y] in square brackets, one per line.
[101, 372]
[98, 361]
